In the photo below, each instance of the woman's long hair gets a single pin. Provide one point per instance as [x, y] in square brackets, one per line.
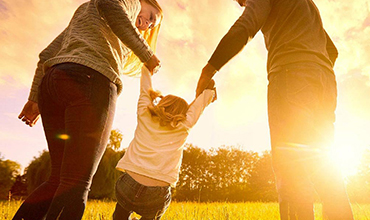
[133, 63]
[169, 111]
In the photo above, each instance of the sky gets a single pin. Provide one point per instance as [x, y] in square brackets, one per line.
[190, 31]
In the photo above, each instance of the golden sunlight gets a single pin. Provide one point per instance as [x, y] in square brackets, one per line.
[347, 153]
[63, 136]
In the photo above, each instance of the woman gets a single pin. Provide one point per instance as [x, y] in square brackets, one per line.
[75, 87]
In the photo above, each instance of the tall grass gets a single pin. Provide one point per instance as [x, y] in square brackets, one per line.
[103, 210]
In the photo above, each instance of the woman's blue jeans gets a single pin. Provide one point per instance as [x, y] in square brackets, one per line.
[151, 202]
[301, 105]
[77, 106]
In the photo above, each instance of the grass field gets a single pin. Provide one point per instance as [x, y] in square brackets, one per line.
[102, 210]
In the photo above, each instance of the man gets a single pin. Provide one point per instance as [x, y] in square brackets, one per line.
[301, 101]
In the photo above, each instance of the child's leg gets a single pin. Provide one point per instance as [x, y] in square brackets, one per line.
[156, 217]
[150, 202]
[120, 213]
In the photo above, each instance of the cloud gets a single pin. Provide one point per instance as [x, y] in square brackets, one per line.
[27, 26]
[354, 95]
[349, 33]
[190, 32]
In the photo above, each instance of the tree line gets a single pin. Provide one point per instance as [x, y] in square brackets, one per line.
[220, 174]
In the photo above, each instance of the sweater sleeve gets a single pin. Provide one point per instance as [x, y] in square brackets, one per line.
[243, 30]
[50, 51]
[197, 107]
[145, 86]
[114, 12]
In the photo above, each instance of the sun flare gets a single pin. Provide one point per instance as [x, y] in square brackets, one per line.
[347, 154]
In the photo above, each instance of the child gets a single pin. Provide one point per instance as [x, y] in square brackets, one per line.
[152, 162]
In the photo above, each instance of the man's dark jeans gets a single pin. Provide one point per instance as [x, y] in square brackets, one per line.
[77, 106]
[151, 202]
[301, 104]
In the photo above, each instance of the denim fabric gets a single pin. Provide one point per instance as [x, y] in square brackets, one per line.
[77, 106]
[150, 202]
[301, 105]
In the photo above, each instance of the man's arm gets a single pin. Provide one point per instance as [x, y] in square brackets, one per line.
[243, 30]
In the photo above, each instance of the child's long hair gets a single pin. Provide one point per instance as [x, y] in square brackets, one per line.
[169, 111]
[133, 64]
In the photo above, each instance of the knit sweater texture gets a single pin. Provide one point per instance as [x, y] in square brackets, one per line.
[100, 35]
[156, 151]
[292, 29]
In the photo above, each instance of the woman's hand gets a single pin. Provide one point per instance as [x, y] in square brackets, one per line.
[153, 64]
[30, 113]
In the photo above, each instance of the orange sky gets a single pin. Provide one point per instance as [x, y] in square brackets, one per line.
[190, 31]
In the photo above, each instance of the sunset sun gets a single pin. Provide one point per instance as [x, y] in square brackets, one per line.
[347, 153]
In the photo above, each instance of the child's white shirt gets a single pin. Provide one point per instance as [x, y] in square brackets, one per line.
[156, 151]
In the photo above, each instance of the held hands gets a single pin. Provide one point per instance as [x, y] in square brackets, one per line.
[30, 113]
[242, 3]
[205, 79]
[211, 85]
[153, 64]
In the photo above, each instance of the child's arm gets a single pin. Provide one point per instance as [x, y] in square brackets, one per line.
[145, 86]
[199, 104]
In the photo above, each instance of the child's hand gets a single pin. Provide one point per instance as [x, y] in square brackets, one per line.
[211, 85]
[153, 64]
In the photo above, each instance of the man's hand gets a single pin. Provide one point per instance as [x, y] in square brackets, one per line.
[205, 78]
[211, 85]
[30, 113]
[153, 64]
[242, 3]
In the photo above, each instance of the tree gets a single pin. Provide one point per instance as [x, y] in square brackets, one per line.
[103, 182]
[38, 171]
[8, 172]
[216, 175]
[230, 168]
[115, 139]
[19, 188]
[194, 175]
[262, 180]
[106, 176]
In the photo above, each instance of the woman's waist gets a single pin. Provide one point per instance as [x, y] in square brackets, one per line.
[78, 63]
